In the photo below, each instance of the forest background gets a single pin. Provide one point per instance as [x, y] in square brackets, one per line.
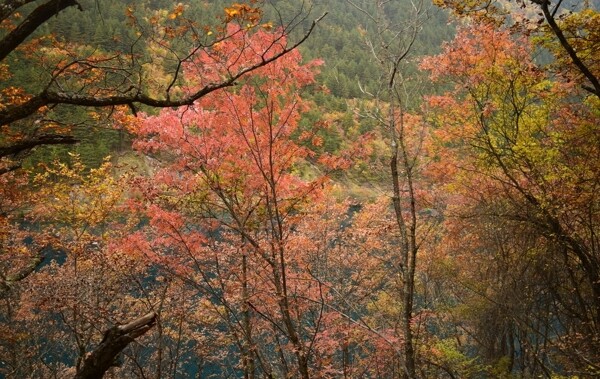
[343, 188]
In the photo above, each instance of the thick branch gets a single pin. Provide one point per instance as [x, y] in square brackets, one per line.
[115, 340]
[29, 144]
[35, 19]
[14, 113]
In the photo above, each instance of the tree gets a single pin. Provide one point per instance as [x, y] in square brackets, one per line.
[226, 210]
[520, 143]
[390, 42]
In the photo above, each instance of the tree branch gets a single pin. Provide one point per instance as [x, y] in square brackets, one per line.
[36, 261]
[544, 5]
[35, 19]
[9, 6]
[115, 340]
[10, 168]
[14, 113]
[28, 144]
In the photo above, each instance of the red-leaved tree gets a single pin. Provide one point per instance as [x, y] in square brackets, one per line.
[226, 204]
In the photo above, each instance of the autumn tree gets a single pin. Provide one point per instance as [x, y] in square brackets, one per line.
[227, 208]
[518, 145]
[391, 42]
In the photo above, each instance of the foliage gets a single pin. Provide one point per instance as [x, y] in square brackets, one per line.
[468, 247]
[223, 199]
[81, 84]
[519, 147]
